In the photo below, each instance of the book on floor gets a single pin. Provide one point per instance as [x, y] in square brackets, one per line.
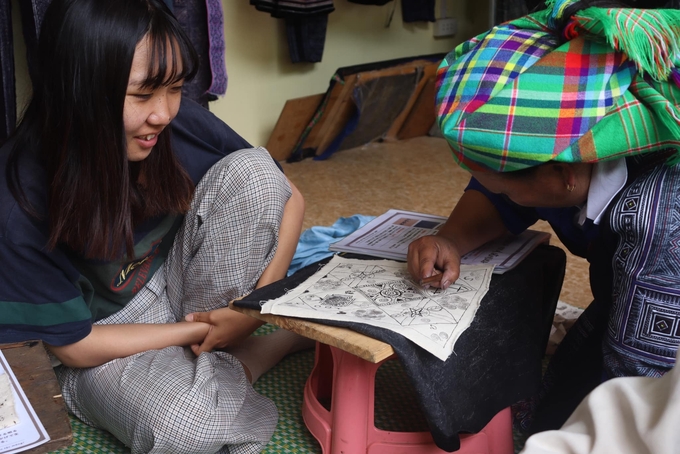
[389, 235]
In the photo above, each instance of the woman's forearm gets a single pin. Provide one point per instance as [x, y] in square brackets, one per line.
[107, 342]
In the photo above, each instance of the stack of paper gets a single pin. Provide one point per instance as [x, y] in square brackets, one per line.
[389, 235]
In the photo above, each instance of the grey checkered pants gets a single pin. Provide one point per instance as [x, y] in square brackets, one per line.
[169, 401]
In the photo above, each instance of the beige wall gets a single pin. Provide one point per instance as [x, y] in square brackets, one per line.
[261, 76]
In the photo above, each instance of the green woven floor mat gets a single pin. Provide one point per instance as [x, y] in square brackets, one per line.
[284, 385]
[396, 409]
[88, 440]
[265, 329]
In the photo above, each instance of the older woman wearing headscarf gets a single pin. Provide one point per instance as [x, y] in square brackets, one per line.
[572, 115]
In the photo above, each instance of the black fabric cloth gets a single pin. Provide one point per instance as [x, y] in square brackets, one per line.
[417, 10]
[306, 38]
[300, 8]
[575, 370]
[306, 23]
[497, 360]
[370, 2]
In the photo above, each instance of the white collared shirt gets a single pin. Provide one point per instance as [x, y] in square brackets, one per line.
[607, 180]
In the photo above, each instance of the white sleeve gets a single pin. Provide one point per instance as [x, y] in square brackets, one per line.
[631, 415]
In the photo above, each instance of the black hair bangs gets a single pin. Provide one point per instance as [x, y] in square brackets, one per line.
[173, 57]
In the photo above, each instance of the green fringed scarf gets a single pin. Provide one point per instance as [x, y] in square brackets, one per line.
[522, 94]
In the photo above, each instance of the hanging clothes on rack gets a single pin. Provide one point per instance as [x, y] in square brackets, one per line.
[202, 20]
[370, 2]
[32, 12]
[306, 23]
[417, 10]
[7, 82]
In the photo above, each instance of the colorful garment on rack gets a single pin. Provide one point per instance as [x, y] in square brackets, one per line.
[203, 22]
[216, 45]
[523, 93]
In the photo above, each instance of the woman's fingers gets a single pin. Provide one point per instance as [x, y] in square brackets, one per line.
[198, 317]
[420, 260]
[449, 263]
[433, 261]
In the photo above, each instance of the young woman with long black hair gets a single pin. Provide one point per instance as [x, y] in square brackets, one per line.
[124, 236]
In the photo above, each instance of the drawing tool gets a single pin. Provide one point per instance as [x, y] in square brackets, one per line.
[429, 280]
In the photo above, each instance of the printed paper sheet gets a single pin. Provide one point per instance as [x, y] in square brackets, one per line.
[389, 235]
[20, 428]
[381, 293]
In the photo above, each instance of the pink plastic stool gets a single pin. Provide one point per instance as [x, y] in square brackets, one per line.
[348, 428]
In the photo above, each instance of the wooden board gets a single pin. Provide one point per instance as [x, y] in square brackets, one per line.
[381, 101]
[341, 107]
[336, 115]
[337, 91]
[294, 118]
[404, 68]
[428, 75]
[364, 347]
[422, 115]
[31, 365]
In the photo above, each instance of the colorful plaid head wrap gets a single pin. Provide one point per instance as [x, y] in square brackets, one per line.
[521, 94]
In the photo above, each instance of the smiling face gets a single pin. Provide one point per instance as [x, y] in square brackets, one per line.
[147, 111]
